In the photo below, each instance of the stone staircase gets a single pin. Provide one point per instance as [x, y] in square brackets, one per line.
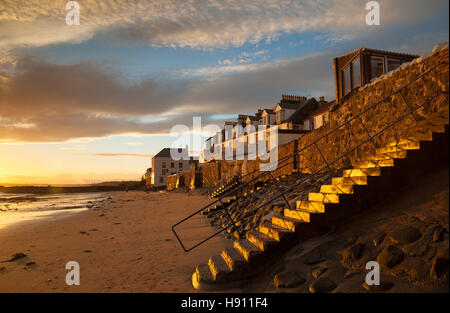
[400, 162]
[233, 183]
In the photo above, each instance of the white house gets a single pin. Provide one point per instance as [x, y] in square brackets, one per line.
[321, 116]
[268, 117]
[164, 165]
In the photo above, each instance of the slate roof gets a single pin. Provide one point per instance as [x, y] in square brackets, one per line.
[324, 108]
[165, 153]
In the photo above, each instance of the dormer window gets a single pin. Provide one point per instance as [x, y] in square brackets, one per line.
[280, 116]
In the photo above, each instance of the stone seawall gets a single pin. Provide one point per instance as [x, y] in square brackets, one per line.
[353, 134]
[376, 119]
[189, 180]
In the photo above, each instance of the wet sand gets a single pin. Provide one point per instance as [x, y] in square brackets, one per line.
[125, 245]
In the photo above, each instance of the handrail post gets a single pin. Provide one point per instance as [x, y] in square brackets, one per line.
[282, 194]
[367, 131]
[323, 157]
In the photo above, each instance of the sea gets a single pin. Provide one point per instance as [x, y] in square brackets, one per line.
[16, 209]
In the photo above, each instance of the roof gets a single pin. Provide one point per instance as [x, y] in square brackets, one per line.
[362, 49]
[253, 118]
[166, 152]
[388, 52]
[324, 108]
[303, 111]
[289, 106]
[269, 111]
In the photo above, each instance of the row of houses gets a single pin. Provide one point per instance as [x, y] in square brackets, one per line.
[294, 116]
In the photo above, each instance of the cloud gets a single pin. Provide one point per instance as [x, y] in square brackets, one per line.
[196, 24]
[87, 100]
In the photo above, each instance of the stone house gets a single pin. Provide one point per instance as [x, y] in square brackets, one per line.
[320, 116]
[289, 115]
[164, 165]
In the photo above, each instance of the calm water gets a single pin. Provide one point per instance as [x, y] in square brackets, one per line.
[18, 208]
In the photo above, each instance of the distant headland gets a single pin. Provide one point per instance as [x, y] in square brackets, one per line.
[99, 187]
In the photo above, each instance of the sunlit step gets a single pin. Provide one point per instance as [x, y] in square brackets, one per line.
[219, 269]
[323, 197]
[399, 148]
[268, 229]
[260, 240]
[391, 155]
[246, 249]
[311, 206]
[233, 259]
[375, 163]
[357, 172]
[341, 189]
[285, 222]
[298, 215]
[357, 180]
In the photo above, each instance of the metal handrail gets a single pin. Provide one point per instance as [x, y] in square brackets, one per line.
[328, 164]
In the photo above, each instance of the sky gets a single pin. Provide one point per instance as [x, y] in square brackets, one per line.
[93, 102]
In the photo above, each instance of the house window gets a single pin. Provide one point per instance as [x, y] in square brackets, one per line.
[163, 164]
[180, 165]
[346, 80]
[161, 180]
[392, 64]
[172, 165]
[376, 66]
[356, 73]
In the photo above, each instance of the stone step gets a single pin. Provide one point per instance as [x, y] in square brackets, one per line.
[358, 172]
[394, 154]
[404, 143]
[218, 267]
[340, 189]
[260, 240]
[233, 259]
[298, 215]
[323, 197]
[310, 206]
[376, 157]
[387, 156]
[437, 126]
[417, 135]
[270, 230]
[375, 163]
[397, 148]
[357, 180]
[285, 222]
[246, 249]
[201, 275]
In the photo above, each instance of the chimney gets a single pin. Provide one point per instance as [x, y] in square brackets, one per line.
[322, 99]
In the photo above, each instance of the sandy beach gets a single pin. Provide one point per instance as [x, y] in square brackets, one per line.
[123, 245]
